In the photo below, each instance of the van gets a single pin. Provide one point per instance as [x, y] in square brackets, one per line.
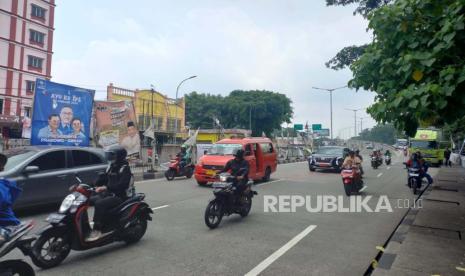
[259, 152]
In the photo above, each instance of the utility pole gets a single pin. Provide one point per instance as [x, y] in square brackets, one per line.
[176, 108]
[330, 90]
[355, 119]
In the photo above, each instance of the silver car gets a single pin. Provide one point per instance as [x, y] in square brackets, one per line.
[45, 173]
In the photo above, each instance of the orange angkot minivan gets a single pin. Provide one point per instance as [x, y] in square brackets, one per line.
[259, 152]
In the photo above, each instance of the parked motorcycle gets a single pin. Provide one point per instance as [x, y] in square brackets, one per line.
[175, 170]
[226, 201]
[18, 239]
[69, 227]
[387, 158]
[352, 181]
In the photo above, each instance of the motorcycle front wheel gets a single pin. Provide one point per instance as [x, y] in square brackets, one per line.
[50, 249]
[16, 267]
[213, 214]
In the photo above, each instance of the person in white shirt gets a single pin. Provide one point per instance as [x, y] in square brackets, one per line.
[132, 141]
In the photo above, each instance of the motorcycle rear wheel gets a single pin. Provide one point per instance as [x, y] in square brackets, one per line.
[16, 267]
[136, 231]
[347, 189]
[170, 174]
[213, 214]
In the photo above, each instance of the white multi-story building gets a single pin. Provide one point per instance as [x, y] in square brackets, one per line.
[26, 39]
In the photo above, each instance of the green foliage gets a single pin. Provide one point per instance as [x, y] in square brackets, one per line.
[364, 6]
[267, 110]
[416, 63]
[380, 133]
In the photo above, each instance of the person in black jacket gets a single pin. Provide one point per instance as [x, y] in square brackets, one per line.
[239, 168]
[111, 188]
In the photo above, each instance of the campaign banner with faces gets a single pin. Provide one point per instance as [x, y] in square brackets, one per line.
[115, 123]
[61, 114]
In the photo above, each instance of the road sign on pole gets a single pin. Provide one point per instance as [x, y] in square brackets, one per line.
[316, 126]
[298, 126]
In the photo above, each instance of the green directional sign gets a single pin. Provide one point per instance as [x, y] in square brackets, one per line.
[316, 126]
[298, 126]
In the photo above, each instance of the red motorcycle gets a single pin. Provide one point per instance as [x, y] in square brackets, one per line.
[69, 227]
[175, 170]
[352, 181]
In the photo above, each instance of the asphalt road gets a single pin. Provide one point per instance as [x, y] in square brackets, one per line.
[178, 242]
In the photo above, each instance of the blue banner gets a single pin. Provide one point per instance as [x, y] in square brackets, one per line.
[61, 114]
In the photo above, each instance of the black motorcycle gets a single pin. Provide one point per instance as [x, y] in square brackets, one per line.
[414, 181]
[17, 239]
[226, 202]
[375, 162]
[69, 227]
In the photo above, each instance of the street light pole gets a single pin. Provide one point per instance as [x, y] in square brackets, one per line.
[176, 108]
[355, 119]
[330, 90]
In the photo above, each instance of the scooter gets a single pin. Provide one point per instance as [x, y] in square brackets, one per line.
[414, 181]
[375, 163]
[69, 227]
[175, 170]
[387, 158]
[352, 181]
[226, 202]
[18, 239]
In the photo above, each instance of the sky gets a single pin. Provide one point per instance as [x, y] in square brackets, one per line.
[275, 45]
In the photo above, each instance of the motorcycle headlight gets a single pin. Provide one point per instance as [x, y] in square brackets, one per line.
[66, 204]
[223, 178]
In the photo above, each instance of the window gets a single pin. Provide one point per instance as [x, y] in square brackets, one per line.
[30, 85]
[36, 37]
[27, 111]
[266, 147]
[85, 158]
[248, 150]
[171, 124]
[50, 161]
[1, 106]
[34, 62]
[37, 11]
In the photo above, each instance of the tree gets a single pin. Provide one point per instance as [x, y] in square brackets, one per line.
[349, 54]
[263, 110]
[416, 63]
[380, 133]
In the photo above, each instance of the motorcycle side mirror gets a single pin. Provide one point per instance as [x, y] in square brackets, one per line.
[31, 169]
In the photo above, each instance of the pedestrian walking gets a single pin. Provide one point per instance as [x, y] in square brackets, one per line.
[447, 153]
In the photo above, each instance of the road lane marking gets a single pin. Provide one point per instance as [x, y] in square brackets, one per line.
[160, 207]
[388, 168]
[379, 175]
[269, 182]
[273, 257]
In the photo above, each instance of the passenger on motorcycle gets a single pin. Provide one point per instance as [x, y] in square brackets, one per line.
[416, 161]
[239, 168]
[352, 162]
[111, 188]
[8, 194]
[357, 154]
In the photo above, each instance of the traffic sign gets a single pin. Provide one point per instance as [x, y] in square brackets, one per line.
[298, 126]
[316, 126]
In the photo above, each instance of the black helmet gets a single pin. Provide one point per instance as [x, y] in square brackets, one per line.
[239, 153]
[351, 152]
[116, 154]
[357, 151]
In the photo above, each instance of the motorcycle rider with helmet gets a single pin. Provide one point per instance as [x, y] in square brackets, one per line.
[111, 188]
[239, 168]
[359, 156]
[352, 162]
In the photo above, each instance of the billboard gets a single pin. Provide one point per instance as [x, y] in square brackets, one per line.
[322, 132]
[61, 114]
[115, 123]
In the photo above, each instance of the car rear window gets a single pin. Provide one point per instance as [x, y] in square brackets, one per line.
[85, 158]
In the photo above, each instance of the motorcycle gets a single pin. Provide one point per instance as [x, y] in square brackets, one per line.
[414, 181]
[226, 201]
[69, 227]
[387, 158]
[352, 181]
[18, 239]
[175, 170]
[375, 162]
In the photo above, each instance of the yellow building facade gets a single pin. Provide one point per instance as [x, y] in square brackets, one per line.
[152, 105]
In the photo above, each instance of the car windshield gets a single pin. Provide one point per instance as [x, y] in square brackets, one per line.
[15, 157]
[224, 149]
[424, 144]
[329, 151]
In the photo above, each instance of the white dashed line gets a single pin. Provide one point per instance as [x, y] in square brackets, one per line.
[379, 175]
[273, 257]
[388, 168]
[160, 207]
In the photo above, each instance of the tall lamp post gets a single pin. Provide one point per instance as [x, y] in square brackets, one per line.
[330, 90]
[355, 118]
[176, 108]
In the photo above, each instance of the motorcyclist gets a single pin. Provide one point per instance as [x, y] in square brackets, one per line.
[416, 161]
[239, 168]
[111, 188]
[182, 155]
[359, 156]
[352, 162]
[387, 153]
[9, 192]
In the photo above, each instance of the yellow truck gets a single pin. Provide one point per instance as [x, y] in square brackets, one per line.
[427, 141]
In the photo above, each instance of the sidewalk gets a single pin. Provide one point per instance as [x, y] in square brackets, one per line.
[431, 240]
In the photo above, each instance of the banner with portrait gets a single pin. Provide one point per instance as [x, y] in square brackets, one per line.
[115, 123]
[61, 114]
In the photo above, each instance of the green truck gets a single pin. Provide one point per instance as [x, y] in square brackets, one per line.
[428, 142]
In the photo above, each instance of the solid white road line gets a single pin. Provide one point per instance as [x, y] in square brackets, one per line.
[379, 175]
[273, 257]
[269, 182]
[160, 207]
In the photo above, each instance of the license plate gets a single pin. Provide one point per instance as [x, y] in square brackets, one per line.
[219, 185]
[414, 174]
[54, 218]
[210, 172]
[324, 165]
